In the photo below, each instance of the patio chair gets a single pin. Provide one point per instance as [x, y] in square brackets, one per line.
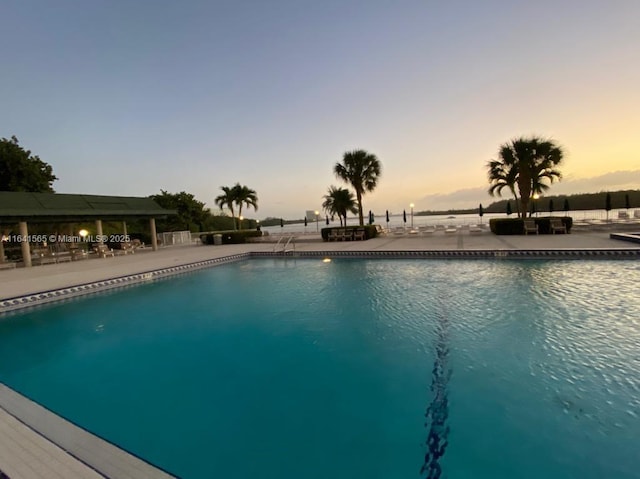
[530, 226]
[450, 230]
[333, 235]
[557, 226]
[358, 234]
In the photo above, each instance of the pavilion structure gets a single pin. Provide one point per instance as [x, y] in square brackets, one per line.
[24, 209]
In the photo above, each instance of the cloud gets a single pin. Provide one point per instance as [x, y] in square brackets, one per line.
[616, 180]
[471, 197]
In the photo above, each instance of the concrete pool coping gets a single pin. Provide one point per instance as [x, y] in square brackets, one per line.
[41, 453]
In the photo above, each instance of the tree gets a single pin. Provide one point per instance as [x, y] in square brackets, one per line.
[528, 163]
[339, 201]
[21, 171]
[191, 212]
[503, 175]
[227, 199]
[245, 196]
[362, 171]
[237, 195]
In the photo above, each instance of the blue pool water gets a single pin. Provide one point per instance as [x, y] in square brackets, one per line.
[351, 369]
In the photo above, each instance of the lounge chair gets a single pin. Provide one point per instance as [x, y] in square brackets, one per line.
[126, 248]
[426, 230]
[475, 230]
[530, 226]
[78, 254]
[103, 251]
[557, 226]
[333, 235]
[450, 230]
[399, 231]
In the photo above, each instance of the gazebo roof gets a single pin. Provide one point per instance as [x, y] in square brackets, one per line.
[45, 207]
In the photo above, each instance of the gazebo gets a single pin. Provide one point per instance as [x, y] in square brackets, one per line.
[33, 208]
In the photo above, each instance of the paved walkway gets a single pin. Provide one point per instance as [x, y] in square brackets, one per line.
[25, 453]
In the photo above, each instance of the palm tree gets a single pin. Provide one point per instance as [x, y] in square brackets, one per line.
[527, 163]
[245, 196]
[362, 171]
[503, 175]
[338, 202]
[227, 199]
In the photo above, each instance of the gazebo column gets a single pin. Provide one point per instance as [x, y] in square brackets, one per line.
[99, 231]
[26, 250]
[154, 239]
[1, 246]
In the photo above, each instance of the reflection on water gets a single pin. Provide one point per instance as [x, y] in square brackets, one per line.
[438, 411]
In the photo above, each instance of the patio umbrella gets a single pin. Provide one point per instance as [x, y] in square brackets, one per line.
[509, 211]
[370, 217]
[281, 223]
[627, 203]
[327, 220]
[404, 215]
[305, 221]
[480, 211]
[550, 206]
[607, 204]
[387, 216]
[566, 206]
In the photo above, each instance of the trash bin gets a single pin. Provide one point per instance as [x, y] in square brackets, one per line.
[217, 239]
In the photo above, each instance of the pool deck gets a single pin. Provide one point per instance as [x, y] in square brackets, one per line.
[37, 444]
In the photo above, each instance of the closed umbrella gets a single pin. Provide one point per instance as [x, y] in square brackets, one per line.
[566, 206]
[370, 217]
[281, 223]
[404, 216]
[550, 206]
[627, 203]
[607, 204]
[305, 221]
[480, 212]
[327, 220]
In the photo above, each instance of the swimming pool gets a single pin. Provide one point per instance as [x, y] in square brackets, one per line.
[380, 368]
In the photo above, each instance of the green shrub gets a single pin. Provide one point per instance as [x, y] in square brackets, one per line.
[515, 226]
[230, 237]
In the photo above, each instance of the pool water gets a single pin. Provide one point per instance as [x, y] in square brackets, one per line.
[351, 369]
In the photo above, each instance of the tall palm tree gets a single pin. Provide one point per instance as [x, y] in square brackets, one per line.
[527, 163]
[362, 171]
[245, 196]
[227, 199]
[339, 201]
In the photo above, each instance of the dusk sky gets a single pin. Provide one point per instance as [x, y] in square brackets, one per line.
[128, 98]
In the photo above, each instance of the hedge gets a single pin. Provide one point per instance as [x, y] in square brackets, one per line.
[370, 231]
[515, 226]
[230, 237]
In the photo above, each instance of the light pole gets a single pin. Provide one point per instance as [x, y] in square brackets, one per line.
[240, 218]
[411, 206]
[317, 227]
